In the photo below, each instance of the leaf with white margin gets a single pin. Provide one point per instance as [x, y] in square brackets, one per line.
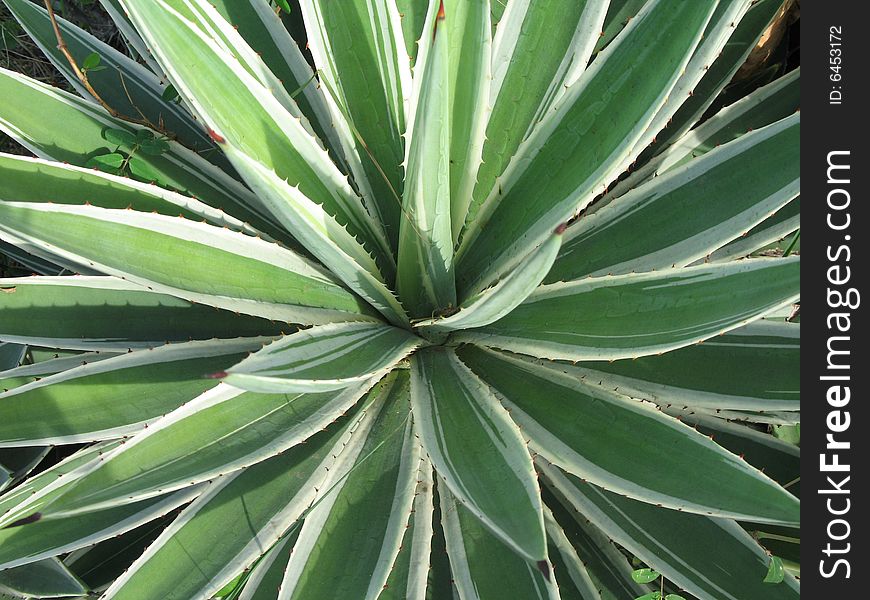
[697, 553]
[755, 367]
[223, 430]
[50, 537]
[124, 84]
[498, 301]
[482, 566]
[237, 518]
[109, 314]
[477, 450]
[539, 47]
[323, 358]
[81, 404]
[689, 212]
[627, 316]
[605, 438]
[379, 483]
[48, 578]
[424, 277]
[57, 125]
[220, 268]
[243, 104]
[408, 579]
[580, 146]
[324, 237]
[36, 180]
[367, 90]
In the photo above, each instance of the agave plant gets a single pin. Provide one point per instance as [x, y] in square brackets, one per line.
[400, 299]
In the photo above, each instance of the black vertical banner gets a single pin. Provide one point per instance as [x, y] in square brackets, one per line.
[835, 427]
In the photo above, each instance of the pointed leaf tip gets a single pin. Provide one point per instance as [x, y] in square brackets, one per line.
[217, 375]
[216, 137]
[438, 18]
[25, 521]
[560, 229]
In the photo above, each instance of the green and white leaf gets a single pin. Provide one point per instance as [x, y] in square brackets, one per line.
[261, 27]
[535, 46]
[718, 39]
[482, 566]
[221, 431]
[370, 90]
[245, 112]
[720, 67]
[784, 222]
[606, 565]
[36, 180]
[234, 522]
[498, 301]
[56, 125]
[604, 437]
[462, 425]
[325, 238]
[222, 268]
[562, 553]
[690, 211]
[379, 483]
[124, 84]
[32, 494]
[81, 404]
[627, 316]
[47, 578]
[323, 359]
[579, 147]
[469, 34]
[50, 537]
[425, 278]
[109, 314]
[755, 367]
[697, 553]
[408, 579]
[768, 104]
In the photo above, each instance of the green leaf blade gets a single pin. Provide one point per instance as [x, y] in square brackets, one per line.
[222, 430]
[696, 553]
[105, 313]
[80, 404]
[559, 169]
[458, 420]
[323, 358]
[626, 316]
[221, 268]
[425, 277]
[629, 447]
[689, 212]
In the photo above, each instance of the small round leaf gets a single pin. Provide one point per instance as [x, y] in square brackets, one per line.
[108, 163]
[776, 571]
[644, 575]
[119, 137]
[155, 147]
[92, 61]
[144, 135]
[142, 170]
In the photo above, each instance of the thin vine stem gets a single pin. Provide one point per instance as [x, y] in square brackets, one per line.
[82, 76]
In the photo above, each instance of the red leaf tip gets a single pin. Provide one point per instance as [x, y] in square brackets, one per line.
[218, 375]
[216, 137]
[561, 229]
